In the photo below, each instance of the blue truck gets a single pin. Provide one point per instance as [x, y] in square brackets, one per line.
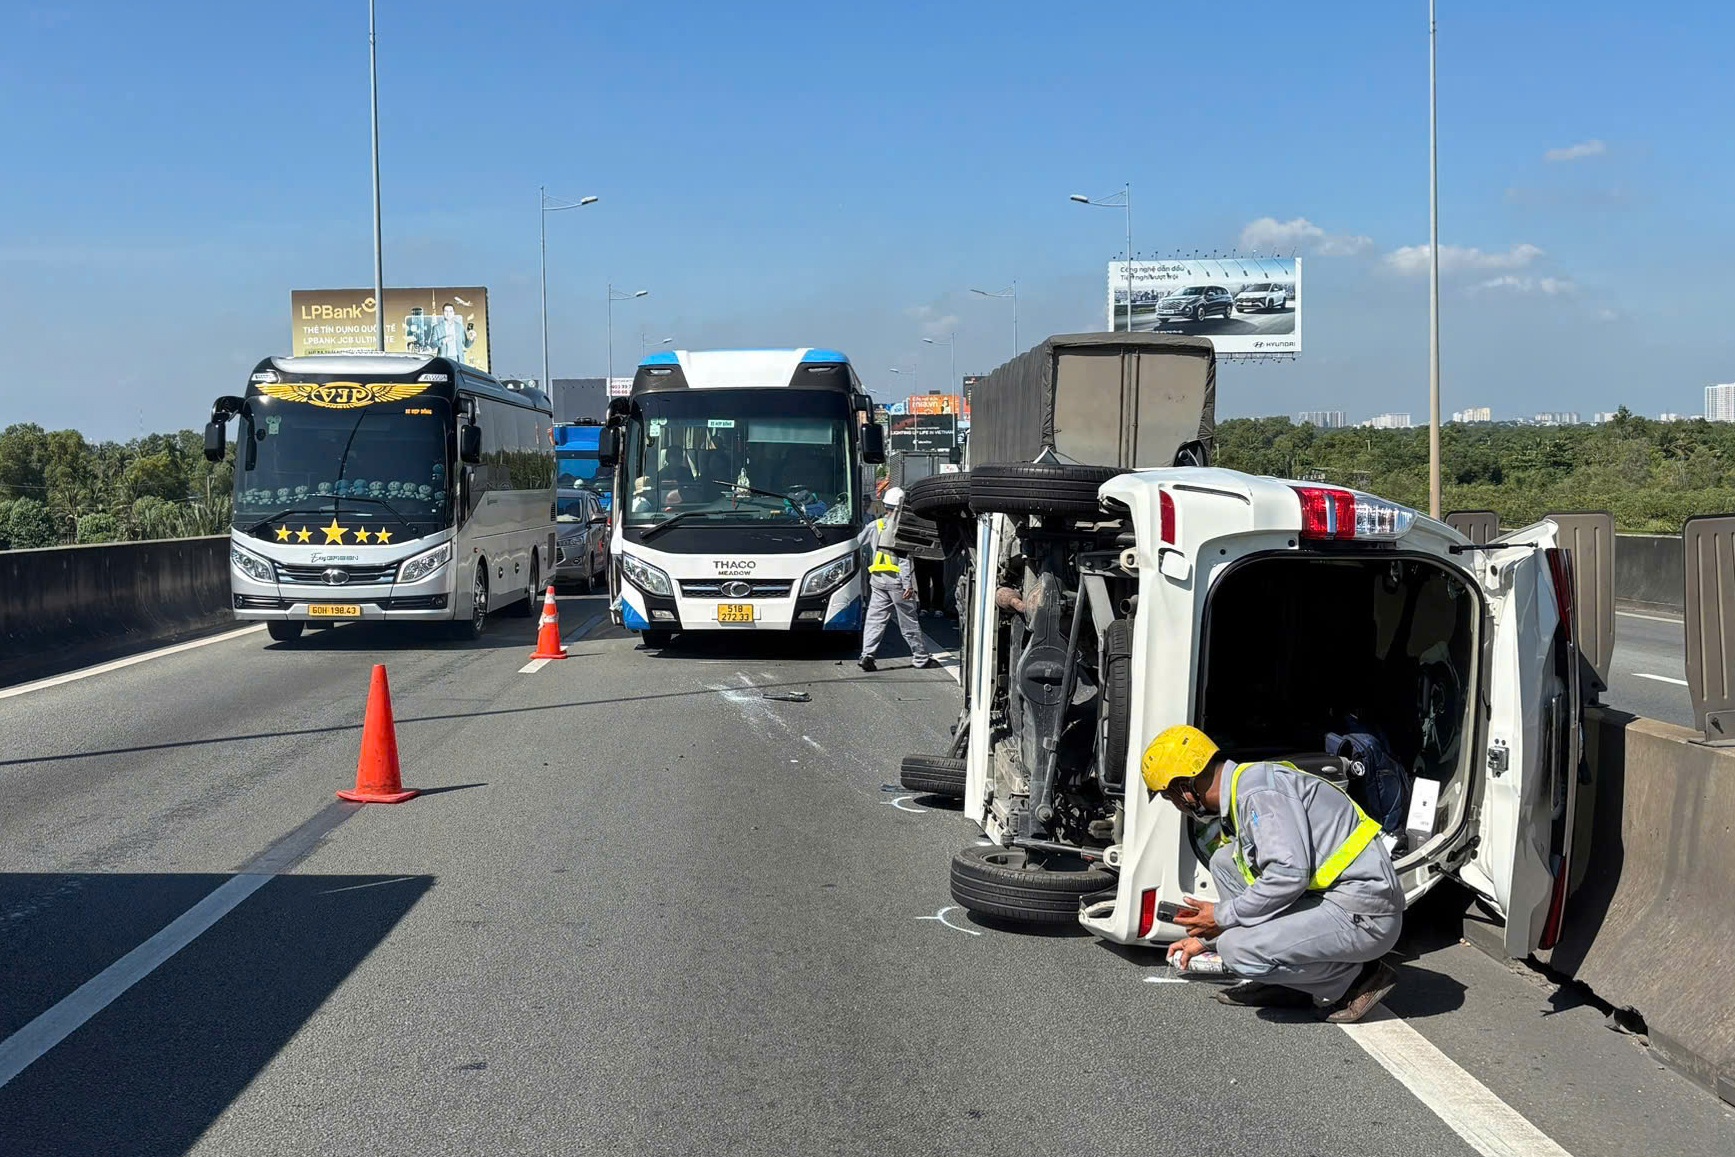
[584, 498]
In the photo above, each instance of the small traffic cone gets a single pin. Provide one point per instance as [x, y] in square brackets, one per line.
[548, 644]
[377, 779]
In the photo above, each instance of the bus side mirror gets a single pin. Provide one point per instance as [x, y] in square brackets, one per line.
[216, 440]
[873, 444]
[470, 443]
[608, 448]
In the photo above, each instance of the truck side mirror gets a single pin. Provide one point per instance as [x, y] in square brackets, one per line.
[608, 448]
[470, 443]
[216, 440]
[873, 444]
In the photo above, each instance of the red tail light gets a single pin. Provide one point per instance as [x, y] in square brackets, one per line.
[1147, 911]
[1166, 513]
[1326, 513]
[1560, 570]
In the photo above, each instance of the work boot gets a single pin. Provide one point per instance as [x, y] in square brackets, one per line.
[923, 663]
[1254, 994]
[867, 663]
[1373, 985]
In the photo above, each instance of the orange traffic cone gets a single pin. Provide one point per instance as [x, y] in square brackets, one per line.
[548, 644]
[377, 779]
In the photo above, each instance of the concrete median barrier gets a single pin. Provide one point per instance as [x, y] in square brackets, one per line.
[69, 606]
[1651, 927]
[1649, 572]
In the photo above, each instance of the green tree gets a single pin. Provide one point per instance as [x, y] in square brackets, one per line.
[29, 527]
[158, 475]
[23, 455]
[99, 526]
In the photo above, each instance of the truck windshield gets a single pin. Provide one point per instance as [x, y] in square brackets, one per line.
[381, 465]
[740, 456]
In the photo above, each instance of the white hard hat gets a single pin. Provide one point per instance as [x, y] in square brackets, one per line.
[893, 496]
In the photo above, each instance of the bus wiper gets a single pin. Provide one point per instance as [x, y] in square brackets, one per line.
[270, 518]
[783, 498]
[652, 531]
[373, 498]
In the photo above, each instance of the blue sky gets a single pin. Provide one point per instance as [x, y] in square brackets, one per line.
[812, 174]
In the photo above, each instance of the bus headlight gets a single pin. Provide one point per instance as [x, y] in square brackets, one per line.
[822, 579]
[420, 566]
[252, 566]
[645, 576]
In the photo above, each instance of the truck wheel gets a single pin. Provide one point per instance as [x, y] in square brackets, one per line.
[940, 496]
[1013, 884]
[284, 630]
[1038, 489]
[1117, 699]
[933, 774]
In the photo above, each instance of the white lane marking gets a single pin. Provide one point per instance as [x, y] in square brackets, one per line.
[359, 887]
[1661, 678]
[130, 660]
[1488, 1124]
[534, 666]
[898, 802]
[1648, 618]
[941, 917]
[950, 664]
[1165, 980]
[575, 634]
[815, 744]
[22, 1048]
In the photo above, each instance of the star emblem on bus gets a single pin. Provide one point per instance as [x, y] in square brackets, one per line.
[283, 534]
[304, 535]
[361, 536]
[382, 536]
[333, 533]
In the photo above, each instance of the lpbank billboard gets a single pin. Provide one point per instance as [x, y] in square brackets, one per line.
[451, 322]
[1245, 305]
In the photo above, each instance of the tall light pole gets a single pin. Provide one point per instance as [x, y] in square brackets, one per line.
[1012, 292]
[1433, 275]
[914, 374]
[615, 295]
[373, 78]
[542, 193]
[645, 342]
[951, 341]
[1121, 200]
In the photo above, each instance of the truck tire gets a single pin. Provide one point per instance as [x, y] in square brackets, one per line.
[1009, 883]
[940, 496]
[1038, 489]
[933, 774]
[1117, 699]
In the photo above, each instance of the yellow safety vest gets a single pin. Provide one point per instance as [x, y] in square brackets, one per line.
[883, 562]
[1326, 875]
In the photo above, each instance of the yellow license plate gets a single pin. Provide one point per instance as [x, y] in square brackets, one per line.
[735, 612]
[333, 611]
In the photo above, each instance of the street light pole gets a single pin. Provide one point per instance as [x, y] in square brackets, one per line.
[612, 298]
[373, 76]
[1122, 199]
[1433, 273]
[1012, 292]
[952, 341]
[546, 209]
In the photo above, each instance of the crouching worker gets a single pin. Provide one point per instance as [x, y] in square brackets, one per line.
[1308, 899]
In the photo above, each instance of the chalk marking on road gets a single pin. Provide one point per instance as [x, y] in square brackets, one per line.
[1165, 980]
[941, 917]
[898, 803]
[1488, 1124]
[1648, 618]
[359, 887]
[24, 1047]
[534, 666]
[1661, 678]
[130, 660]
[815, 744]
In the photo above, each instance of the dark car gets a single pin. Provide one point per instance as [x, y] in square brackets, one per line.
[1195, 303]
[582, 529]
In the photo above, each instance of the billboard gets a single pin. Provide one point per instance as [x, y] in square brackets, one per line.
[923, 433]
[450, 322]
[1245, 305]
[937, 404]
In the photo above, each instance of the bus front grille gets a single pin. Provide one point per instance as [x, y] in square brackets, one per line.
[710, 589]
[356, 575]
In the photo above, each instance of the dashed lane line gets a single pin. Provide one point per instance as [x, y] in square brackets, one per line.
[1649, 618]
[1660, 678]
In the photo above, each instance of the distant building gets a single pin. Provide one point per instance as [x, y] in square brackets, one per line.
[1389, 422]
[1670, 416]
[1324, 419]
[1720, 402]
[1599, 418]
[1557, 418]
[1474, 414]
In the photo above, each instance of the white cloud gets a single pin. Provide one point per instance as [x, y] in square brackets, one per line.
[1578, 152]
[930, 322]
[1412, 260]
[1298, 234]
[1547, 286]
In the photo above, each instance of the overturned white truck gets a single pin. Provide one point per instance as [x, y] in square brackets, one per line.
[1120, 585]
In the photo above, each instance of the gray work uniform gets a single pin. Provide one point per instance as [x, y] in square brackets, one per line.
[1275, 929]
[886, 597]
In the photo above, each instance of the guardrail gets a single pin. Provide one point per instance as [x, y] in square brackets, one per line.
[64, 607]
[1649, 571]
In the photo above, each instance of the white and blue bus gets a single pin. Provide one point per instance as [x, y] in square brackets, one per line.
[741, 498]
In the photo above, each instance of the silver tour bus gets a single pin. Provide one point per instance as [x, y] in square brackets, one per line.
[385, 487]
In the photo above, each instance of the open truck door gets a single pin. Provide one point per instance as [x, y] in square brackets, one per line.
[1529, 773]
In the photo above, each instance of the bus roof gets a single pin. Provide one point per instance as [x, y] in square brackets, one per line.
[443, 375]
[806, 369]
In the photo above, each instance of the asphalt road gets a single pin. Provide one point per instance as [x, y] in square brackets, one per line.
[1647, 672]
[644, 909]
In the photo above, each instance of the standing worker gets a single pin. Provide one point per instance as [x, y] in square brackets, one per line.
[891, 588]
[1309, 900]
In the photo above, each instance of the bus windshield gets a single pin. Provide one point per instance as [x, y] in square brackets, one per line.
[740, 456]
[382, 463]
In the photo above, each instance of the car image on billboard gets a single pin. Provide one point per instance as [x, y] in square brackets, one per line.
[1246, 305]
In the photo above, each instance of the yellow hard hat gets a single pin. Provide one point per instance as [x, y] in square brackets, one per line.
[1180, 752]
